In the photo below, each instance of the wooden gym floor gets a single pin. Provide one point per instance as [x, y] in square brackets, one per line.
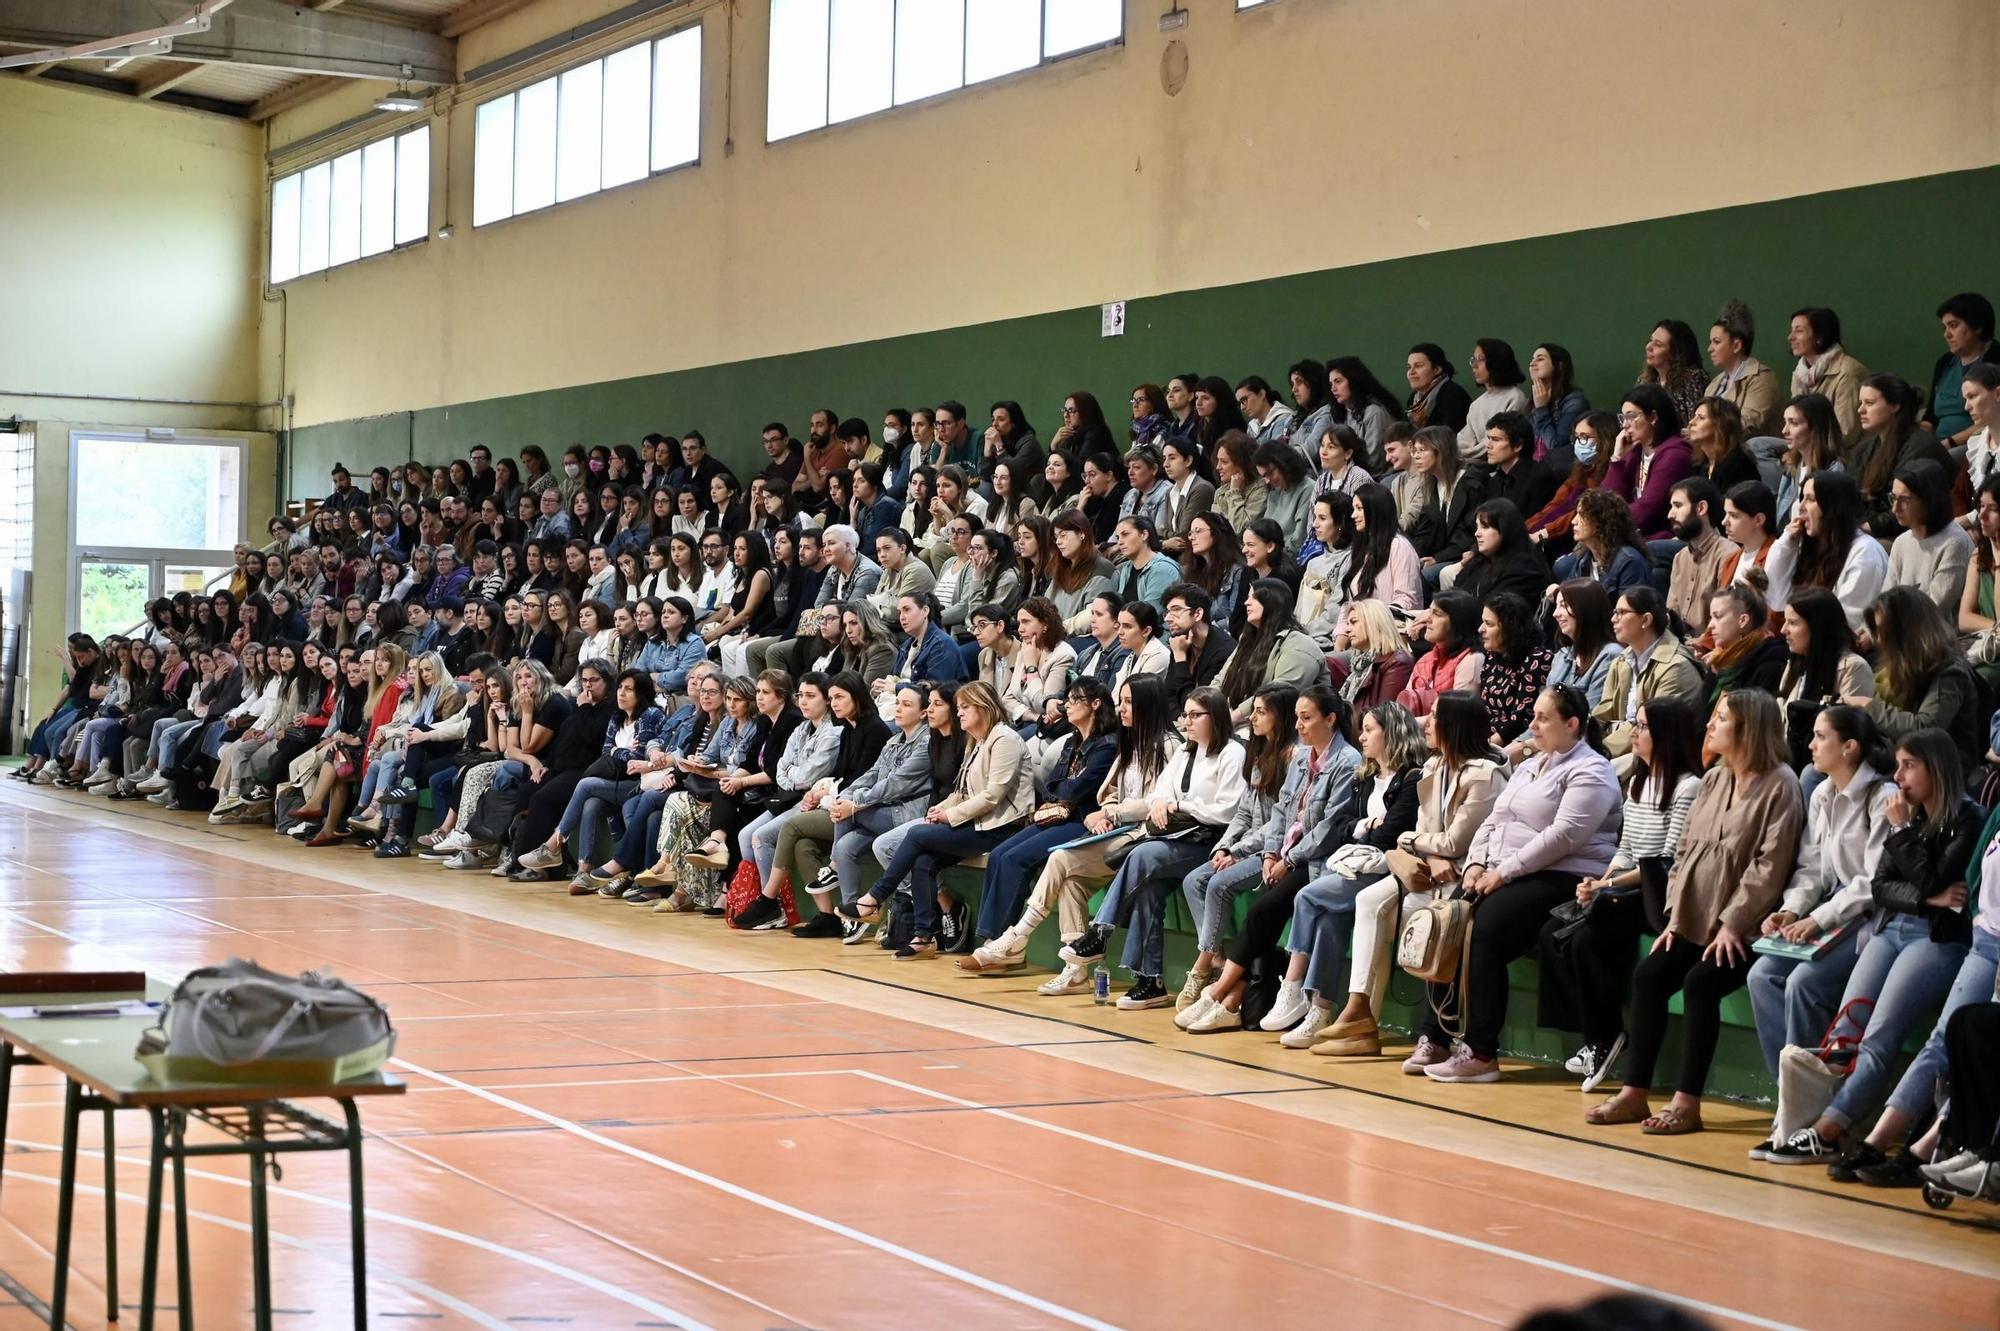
[627, 1120]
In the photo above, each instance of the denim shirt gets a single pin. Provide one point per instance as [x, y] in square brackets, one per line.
[900, 777]
[651, 730]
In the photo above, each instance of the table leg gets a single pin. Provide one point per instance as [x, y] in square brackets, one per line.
[65, 1203]
[149, 1265]
[183, 1262]
[260, 1225]
[357, 1222]
[110, 1216]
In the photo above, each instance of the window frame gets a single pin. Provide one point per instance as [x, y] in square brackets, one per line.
[1044, 62]
[651, 44]
[394, 141]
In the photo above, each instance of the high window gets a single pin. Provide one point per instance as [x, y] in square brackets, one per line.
[363, 202]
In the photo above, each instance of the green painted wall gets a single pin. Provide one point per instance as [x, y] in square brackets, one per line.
[1883, 256]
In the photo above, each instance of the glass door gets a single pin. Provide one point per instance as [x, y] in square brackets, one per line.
[112, 594]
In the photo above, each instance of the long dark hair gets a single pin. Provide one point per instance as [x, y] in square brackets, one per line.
[1265, 760]
[1225, 555]
[1590, 606]
[1371, 547]
[1676, 731]
[1916, 640]
[1822, 556]
[1519, 633]
[1228, 416]
[1253, 649]
[1363, 387]
[1144, 741]
[1462, 727]
[1461, 610]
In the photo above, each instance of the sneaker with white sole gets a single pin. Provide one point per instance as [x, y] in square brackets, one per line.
[1464, 1066]
[1426, 1055]
[1597, 1061]
[541, 857]
[1306, 1034]
[456, 840]
[1215, 1019]
[474, 857]
[1194, 1011]
[1291, 1004]
[154, 784]
[1146, 992]
[1074, 979]
[853, 933]
[1804, 1147]
[1191, 988]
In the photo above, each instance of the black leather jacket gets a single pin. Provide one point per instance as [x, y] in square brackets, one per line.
[1924, 858]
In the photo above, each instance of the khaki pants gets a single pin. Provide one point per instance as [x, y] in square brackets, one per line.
[805, 840]
[1065, 885]
[1374, 945]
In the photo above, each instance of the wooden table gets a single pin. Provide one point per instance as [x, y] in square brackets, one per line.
[96, 1055]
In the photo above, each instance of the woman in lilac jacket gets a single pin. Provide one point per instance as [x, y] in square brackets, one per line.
[1556, 822]
[1649, 457]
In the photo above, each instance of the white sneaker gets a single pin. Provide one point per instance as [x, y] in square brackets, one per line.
[100, 774]
[473, 857]
[1074, 979]
[1306, 1034]
[454, 841]
[159, 797]
[153, 784]
[1194, 1011]
[1939, 1170]
[1216, 1018]
[108, 786]
[1291, 1005]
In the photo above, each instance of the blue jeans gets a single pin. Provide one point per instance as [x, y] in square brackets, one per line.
[1211, 894]
[1139, 889]
[595, 797]
[924, 850]
[759, 842]
[641, 818]
[1907, 975]
[1917, 1091]
[852, 841]
[49, 735]
[382, 774]
[1322, 924]
[1010, 867]
[1794, 1000]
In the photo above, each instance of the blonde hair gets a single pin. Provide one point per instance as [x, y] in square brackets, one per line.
[1378, 626]
[379, 682]
[980, 696]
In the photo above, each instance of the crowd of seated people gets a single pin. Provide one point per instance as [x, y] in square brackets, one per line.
[1687, 692]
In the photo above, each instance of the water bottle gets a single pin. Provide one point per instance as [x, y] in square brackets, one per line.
[1100, 984]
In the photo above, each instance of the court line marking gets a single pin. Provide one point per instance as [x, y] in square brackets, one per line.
[835, 1227]
[415, 1286]
[1153, 1157]
[633, 1300]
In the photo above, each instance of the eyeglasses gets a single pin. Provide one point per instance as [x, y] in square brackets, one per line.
[1193, 714]
[1069, 411]
[1579, 440]
[1898, 500]
[1631, 417]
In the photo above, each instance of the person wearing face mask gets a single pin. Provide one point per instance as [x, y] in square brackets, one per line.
[1589, 446]
[573, 474]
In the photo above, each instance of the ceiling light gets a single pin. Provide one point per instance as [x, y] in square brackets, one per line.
[400, 100]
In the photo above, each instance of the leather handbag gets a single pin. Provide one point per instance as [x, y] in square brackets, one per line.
[1436, 946]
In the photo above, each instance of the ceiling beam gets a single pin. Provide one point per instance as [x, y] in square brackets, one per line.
[170, 74]
[477, 15]
[36, 71]
[267, 34]
[297, 95]
[321, 6]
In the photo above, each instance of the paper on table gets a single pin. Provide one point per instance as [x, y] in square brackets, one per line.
[131, 1007]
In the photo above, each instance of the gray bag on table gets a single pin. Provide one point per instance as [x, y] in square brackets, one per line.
[241, 1022]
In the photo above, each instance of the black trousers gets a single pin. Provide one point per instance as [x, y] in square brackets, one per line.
[1702, 986]
[1506, 924]
[543, 809]
[1270, 912]
[1586, 976]
[1970, 1037]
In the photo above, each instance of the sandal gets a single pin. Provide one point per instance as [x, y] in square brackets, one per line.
[1672, 1122]
[1616, 1111]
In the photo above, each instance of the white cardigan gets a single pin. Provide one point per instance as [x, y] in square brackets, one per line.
[1215, 786]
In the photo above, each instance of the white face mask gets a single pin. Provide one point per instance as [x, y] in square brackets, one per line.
[571, 469]
[891, 435]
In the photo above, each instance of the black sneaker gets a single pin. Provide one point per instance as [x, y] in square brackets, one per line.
[1803, 1147]
[395, 848]
[1089, 947]
[403, 794]
[257, 795]
[1846, 1168]
[1146, 991]
[763, 913]
[713, 912]
[823, 925]
[1901, 1170]
[954, 928]
[827, 880]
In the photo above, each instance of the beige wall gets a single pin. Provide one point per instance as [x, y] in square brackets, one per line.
[132, 235]
[1308, 135]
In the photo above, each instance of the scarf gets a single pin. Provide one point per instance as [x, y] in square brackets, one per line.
[1806, 375]
[1359, 673]
[1149, 426]
[1723, 660]
[1422, 403]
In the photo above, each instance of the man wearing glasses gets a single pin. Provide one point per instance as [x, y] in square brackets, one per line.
[1200, 649]
[718, 581]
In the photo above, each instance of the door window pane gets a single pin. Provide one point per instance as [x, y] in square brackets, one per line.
[677, 99]
[930, 49]
[864, 56]
[535, 146]
[343, 243]
[112, 597]
[313, 217]
[378, 196]
[580, 132]
[193, 494]
[285, 230]
[797, 97]
[1001, 36]
[1071, 25]
[493, 161]
[413, 186]
[627, 85]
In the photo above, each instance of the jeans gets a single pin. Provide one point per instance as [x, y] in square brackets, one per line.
[759, 841]
[1322, 920]
[1908, 976]
[852, 841]
[641, 819]
[49, 735]
[1794, 1000]
[1138, 891]
[170, 741]
[1917, 1091]
[100, 740]
[580, 819]
[891, 841]
[382, 774]
[1009, 868]
[1210, 894]
[924, 850]
[161, 729]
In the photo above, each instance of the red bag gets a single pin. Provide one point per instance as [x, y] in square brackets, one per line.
[744, 889]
